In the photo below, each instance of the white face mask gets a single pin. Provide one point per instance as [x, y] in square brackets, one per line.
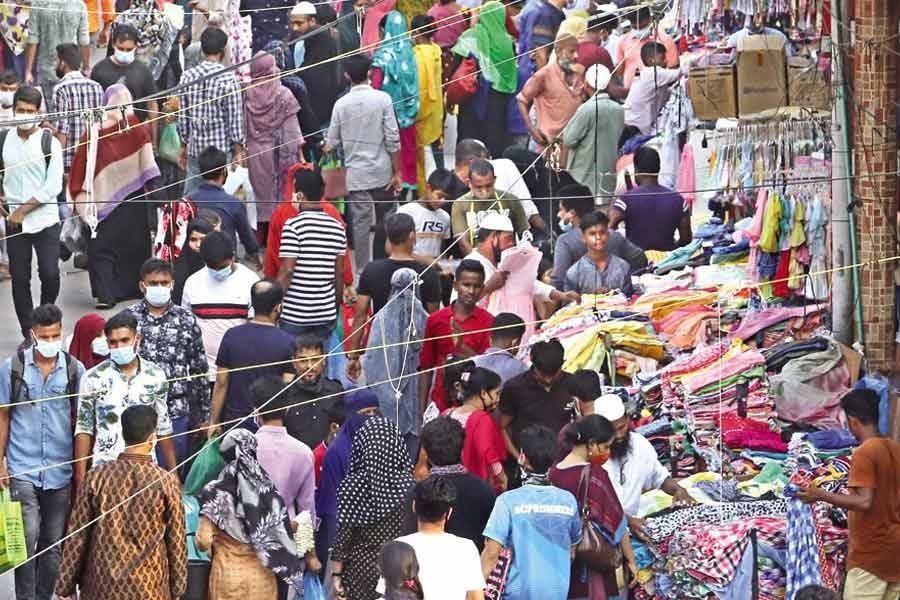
[29, 121]
[6, 97]
[47, 349]
[124, 57]
[99, 346]
[641, 34]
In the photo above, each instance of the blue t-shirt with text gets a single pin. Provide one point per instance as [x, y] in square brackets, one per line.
[540, 524]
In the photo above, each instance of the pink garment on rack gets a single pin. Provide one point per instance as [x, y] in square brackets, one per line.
[686, 184]
[517, 294]
[723, 369]
[756, 321]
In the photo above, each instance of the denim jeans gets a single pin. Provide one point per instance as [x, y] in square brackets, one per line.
[44, 514]
[45, 244]
[322, 331]
[179, 426]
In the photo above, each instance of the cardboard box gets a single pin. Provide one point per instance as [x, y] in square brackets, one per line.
[808, 85]
[761, 74]
[713, 93]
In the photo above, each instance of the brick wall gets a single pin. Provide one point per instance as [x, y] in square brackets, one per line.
[873, 111]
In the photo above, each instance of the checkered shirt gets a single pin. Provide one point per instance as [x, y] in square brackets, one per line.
[212, 111]
[77, 94]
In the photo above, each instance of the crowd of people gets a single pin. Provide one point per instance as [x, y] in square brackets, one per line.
[356, 366]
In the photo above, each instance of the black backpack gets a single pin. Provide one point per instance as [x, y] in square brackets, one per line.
[17, 378]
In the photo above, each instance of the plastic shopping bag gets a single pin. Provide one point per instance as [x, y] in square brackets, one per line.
[207, 466]
[170, 143]
[312, 587]
[12, 533]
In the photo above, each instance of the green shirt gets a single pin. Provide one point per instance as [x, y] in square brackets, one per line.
[592, 137]
[467, 212]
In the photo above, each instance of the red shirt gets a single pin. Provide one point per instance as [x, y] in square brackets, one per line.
[435, 351]
[319, 456]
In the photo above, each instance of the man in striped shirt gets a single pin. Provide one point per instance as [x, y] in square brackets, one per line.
[312, 262]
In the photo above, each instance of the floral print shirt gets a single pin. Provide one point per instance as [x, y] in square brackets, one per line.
[174, 342]
[106, 392]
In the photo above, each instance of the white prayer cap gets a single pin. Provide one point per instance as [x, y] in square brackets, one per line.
[609, 8]
[303, 9]
[494, 221]
[597, 77]
[609, 406]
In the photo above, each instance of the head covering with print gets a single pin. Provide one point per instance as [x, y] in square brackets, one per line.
[396, 60]
[244, 503]
[380, 475]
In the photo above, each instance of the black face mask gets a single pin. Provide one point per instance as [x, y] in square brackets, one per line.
[497, 254]
[59, 73]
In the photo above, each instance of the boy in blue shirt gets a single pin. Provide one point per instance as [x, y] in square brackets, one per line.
[538, 523]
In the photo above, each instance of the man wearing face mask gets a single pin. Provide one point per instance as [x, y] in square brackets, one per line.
[756, 25]
[137, 75]
[219, 295]
[171, 338]
[31, 184]
[124, 380]
[40, 371]
[629, 48]
[556, 90]
[633, 465]
[9, 83]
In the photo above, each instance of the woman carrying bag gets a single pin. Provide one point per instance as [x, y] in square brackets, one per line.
[605, 542]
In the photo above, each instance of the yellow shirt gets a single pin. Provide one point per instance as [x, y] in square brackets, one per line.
[430, 120]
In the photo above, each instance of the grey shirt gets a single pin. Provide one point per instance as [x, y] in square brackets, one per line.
[584, 277]
[501, 362]
[570, 247]
[364, 125]
[55, 22]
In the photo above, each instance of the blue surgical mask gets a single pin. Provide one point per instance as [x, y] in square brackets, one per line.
[564, 225]
[220, 274]
[124, 58]
[158, 295]
[299, 53]
[122, 356]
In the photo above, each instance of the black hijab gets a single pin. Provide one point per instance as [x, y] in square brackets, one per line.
[188, 261]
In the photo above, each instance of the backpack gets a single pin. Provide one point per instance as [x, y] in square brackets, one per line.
[46, 139]
[17, 378]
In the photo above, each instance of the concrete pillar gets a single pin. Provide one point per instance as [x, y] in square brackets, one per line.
[875, 151]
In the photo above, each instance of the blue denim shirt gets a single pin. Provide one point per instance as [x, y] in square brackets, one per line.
[40, 433]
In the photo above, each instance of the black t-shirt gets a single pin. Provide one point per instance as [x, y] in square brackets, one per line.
[528, 403]
[474, 503]
[457, 188]
[137, 78]
[375, 281]
[309, 422]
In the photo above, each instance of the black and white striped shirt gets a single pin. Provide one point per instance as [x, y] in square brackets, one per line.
[315, 239]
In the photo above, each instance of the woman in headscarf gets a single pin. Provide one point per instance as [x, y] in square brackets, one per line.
[358, 406]
[394, 71]
[395, 342]
[370, 507]
[116, 164]
[189, 261]
[156, 40]
[88, 342]
[274, 141]
[245, 524]
[483, 116]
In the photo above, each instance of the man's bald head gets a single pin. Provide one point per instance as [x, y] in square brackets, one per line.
[266, 295]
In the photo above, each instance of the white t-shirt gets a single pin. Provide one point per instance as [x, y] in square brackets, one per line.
[449, 566]
[509, 181]
[641, 471]
[432, 227]
[218, 305]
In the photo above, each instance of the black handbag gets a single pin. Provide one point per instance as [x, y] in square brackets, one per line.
[594, 550]
[197, 580]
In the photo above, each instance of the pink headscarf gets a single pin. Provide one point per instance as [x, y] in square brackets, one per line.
[268, 103]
